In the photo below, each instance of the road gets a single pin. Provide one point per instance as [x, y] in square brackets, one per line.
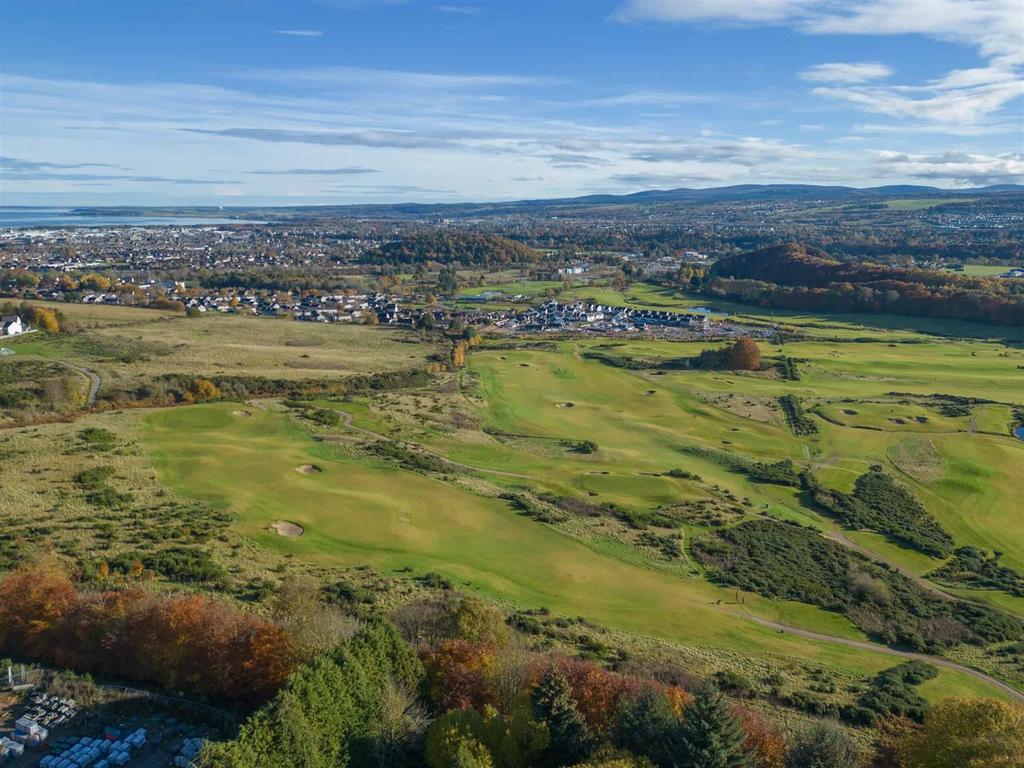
[94, 382]
[834, 535]
[875, 648]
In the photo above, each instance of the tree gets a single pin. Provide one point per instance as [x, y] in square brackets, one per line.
[765, 743]
[825, 745]
[553, 705]
[745, 355]
[45, 319]
[709, 736]
[646, 727]
[203, 390]
[447, 280]
[968, 733]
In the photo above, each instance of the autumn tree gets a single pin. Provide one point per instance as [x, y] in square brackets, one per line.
[765, 743]
[968, 733]
[745, 355]
[33, 604]
[203, 390]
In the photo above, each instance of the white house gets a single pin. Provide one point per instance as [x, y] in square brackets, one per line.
[11, 325]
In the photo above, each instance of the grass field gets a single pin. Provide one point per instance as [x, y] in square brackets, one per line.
[356, 512]
[513, 419]
[126, 346]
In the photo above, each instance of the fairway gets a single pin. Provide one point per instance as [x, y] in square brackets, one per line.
[354, 512]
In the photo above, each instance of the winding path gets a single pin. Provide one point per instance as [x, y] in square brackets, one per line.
[94, 381]
[836, 536]
[874, 647]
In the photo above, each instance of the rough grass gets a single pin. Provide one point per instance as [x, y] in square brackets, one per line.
[141, 344]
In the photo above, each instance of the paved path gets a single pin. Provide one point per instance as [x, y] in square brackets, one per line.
[94, 382]
[876, 648]
[840, 538]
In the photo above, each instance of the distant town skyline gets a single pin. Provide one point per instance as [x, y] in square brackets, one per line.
[235, 102]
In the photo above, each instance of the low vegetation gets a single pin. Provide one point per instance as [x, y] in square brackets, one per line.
[879, 503]
[791, 562]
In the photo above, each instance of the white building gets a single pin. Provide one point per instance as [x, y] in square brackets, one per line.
[11, 325]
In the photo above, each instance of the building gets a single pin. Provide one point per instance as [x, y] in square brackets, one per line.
[11, 325]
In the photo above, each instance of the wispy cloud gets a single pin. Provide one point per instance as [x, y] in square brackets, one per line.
[15, 169]
[763, 11]
[299, 32]
[460, 10]
[993, 27]
[382, 138]
[859, 72]
[349, 171]
[963, 167]
[392, 78]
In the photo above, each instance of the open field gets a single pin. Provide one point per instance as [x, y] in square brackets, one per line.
[357, 512]
[126, 349]
[511, 423]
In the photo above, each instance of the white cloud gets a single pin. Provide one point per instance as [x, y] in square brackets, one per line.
[764, 11]
[860, 72]
[931, 102]
[391, 78]
[644, 98]
[995, 28]
[960, 167]
[299, 32]
[460, 10]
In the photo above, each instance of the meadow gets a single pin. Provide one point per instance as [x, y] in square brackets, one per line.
[357, 511]
[126, 346]
[934, 412]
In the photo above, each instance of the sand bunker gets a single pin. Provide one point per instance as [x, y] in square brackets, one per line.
[242, 413]
[308, 469]
[284, 528]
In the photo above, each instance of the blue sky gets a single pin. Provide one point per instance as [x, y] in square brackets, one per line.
[338, 101]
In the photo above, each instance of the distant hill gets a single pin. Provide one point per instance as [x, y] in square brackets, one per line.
[793, 276]
[708, 195]
[445, 247]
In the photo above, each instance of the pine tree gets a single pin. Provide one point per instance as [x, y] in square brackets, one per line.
[553, 705]
[824, 745]
[646, 726]
[709, 736]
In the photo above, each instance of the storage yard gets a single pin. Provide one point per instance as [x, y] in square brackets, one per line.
[39, 730]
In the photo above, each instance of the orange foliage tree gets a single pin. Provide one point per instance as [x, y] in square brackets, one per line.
[181, 642]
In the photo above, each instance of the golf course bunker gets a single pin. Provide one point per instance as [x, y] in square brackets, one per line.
[308, 469]
[242, 413]
[286, 529]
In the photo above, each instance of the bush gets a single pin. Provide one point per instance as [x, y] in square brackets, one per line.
[879, 503]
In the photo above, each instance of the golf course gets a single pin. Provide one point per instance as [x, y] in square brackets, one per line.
[529, 409]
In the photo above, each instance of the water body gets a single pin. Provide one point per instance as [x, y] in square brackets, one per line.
[1018, 431]
[33, 218]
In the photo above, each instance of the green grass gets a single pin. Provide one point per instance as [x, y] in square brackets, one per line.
[355, 512]
[984, 270]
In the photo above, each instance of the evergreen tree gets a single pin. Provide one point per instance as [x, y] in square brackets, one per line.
[824, 745]
[646, 727]
[553, 705]
[709, 736]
